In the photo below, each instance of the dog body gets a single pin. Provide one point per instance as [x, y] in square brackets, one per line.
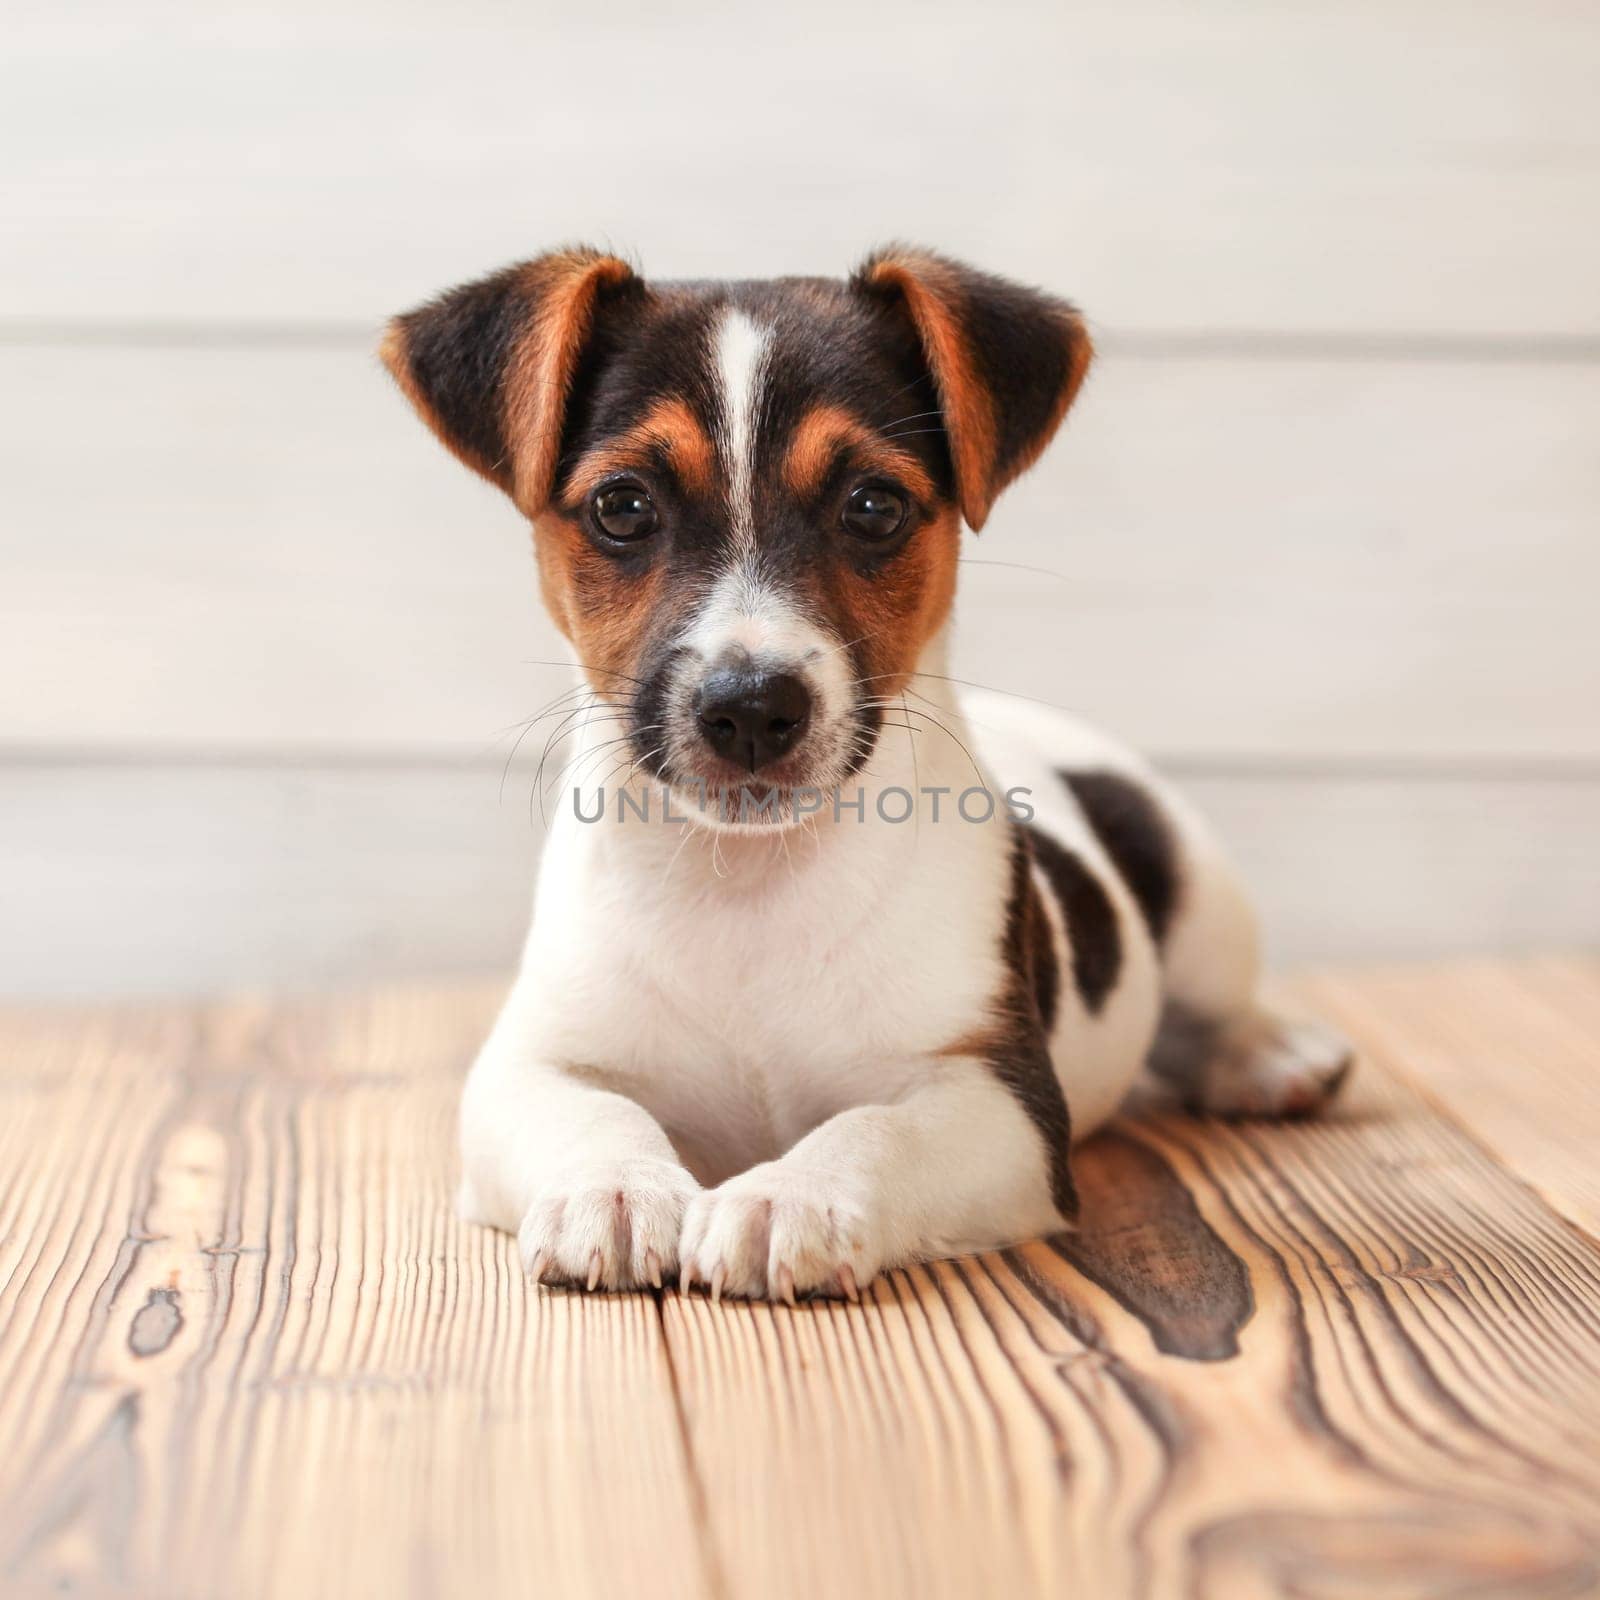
[828, 965]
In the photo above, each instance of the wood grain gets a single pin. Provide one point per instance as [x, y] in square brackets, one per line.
[246, 1350]
[1352, 1358]
[1512, 1054]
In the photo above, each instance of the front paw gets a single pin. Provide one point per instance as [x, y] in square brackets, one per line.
[607, 1225]
[775, 1234]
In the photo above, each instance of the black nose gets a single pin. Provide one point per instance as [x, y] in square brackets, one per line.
[750, 716]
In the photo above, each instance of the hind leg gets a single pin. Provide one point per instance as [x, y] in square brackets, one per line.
[1259, 1064]
[1218, 1049]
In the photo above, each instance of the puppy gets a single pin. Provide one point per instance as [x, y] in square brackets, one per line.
[777, 1030]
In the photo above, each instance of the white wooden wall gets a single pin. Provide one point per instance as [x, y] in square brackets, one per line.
[1322, 533]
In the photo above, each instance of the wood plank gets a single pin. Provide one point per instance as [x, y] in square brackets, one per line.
[1414, 166]
[1511, 1053]
[194, 879]
[1286, 559]
[1356, 1357]
[248, 1350]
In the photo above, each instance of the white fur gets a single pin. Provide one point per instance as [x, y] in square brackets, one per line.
[740, 351]
[752, 1055]
[733, 1050]
[744, 615]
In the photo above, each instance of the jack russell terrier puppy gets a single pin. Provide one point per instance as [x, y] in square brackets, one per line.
[817, 996]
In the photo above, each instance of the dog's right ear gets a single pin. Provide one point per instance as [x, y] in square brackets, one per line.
[1005, 360]
[489, 365]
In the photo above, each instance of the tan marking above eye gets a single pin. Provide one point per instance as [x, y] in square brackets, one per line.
[669, 427]
[828, 431]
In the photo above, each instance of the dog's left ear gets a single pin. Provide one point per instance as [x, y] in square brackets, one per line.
[1006, 361]
[489, 365]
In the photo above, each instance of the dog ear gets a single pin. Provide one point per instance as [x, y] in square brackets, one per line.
[1006, 362]
[489, 365]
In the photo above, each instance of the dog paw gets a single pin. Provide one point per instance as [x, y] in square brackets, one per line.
[1272, 1067]
[612, 1225]
[775, 1234]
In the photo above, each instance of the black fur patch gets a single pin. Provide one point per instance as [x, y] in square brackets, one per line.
[1131, 826]
[1020, 1053]
[458, 347]
[1022, 343]
[1090, 918]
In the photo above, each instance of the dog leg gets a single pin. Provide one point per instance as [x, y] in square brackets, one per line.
[1218, 1048]
[1257, 1065]
[956, 1166]
[584, 1176]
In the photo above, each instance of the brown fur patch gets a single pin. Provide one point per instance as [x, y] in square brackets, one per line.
[827, 431]
[893, 613]
[670, 427]
[604, 608]
[561, 290]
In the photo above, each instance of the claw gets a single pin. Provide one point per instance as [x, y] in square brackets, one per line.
[783, 1278]
[536, 1267]
[847, 1282]
[719, 1276]
[652, 1268]
[685, 1276]
[594, 1270]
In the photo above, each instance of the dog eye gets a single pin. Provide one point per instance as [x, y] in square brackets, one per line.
[874, 513]
[624, 511]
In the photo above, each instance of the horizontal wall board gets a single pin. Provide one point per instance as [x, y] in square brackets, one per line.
[130, 880]
[1413, 166]
[122, 879]
[228, 549]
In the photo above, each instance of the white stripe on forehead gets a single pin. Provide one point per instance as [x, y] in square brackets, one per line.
[739, 361]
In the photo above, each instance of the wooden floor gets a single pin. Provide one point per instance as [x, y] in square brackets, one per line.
[246, 1349]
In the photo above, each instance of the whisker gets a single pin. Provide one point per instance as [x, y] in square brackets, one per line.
[989, 688]
[547, 709]
[913, 416]
[834, 650]
[517, 745]
[609, 672]
[912, 711]
[916, 775]
[1016, 566]
[560, 732]
[543, 794]
[920, 378]
[609, 744]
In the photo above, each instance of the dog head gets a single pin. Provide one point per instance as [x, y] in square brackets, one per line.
[746, 497]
